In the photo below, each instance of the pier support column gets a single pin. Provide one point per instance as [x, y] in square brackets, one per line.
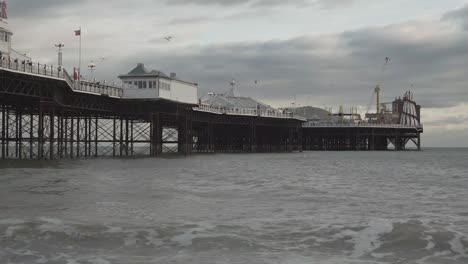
[185, 135]
[96, 137]
[290, 146]
[78, 135]
[211, 137]
[253, 137]
[72, 134]
[3, 132]
[40, 134]
[300, 138]
[419, 142]
[52, 133]
[114, 136]
[156, 135]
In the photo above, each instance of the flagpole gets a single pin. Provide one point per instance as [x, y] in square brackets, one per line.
[79, 69]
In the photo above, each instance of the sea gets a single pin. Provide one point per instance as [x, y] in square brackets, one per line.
[297, 208]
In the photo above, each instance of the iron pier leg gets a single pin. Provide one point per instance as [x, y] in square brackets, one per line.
[131, 137]
[52, 132]
[127, 142]
[78, 135]
[96, 137]
[31, 135]
[72, 136]
[17, 140]
[40, 133]
[211, 137]
[121, 137]
[3, 132]
[419, 141]
[66, 134]
[300, 138]
[86, 136]
[253, 137]
[156, 135]
[20, 135]
[61, 135]
[114, 137]
[7, 138]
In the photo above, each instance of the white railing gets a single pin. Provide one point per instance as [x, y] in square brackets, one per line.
[60, 73]
[246, 112]
[100, 89]
[32, 68]
[362, 124]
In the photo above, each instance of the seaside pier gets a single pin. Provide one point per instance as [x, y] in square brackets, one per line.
[45, 114]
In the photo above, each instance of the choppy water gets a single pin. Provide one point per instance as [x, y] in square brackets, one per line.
[316, 207]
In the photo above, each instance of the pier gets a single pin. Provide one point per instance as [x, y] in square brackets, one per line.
[45, 114]
[48, 113]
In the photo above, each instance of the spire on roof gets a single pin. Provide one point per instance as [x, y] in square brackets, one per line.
[232, 92]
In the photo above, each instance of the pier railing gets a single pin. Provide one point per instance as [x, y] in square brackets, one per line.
[363, 125]
[60, 73]
[32, 68]
[239, 111]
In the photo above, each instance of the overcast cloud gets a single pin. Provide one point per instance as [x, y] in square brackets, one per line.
[323, 53]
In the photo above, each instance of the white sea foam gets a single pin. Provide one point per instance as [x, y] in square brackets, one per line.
[10, 231]
[367, 240]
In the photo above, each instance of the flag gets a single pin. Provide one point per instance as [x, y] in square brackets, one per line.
[78, 32]
[75, 75]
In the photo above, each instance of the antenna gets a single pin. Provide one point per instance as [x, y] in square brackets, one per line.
[377, 94]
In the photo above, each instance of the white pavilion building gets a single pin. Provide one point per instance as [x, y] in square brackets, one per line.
[141, 83]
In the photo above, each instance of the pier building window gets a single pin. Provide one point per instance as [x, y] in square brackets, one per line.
[135, 83]
[144, 85]
[165, 86]
[140, 84]
[150, 85]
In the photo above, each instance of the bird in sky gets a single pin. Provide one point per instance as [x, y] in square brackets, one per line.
[168, 38]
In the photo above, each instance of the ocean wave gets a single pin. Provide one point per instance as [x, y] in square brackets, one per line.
[46, 239]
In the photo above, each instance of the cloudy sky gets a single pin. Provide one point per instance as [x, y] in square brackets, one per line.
[324, 53]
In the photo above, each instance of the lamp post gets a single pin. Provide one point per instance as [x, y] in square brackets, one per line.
[92, 68]
[60, 57]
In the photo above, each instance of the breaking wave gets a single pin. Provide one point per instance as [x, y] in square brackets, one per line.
[379, 241]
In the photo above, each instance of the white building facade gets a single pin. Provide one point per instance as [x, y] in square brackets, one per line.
[140, 83]
[6, 52]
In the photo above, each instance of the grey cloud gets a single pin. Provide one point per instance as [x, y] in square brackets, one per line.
[460, 15]
[264, 3]
[190, 20]
[437, 70]
[42, 8]
[453, 120]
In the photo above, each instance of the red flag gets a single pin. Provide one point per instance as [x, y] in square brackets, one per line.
[75, 75]
[78, 32]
